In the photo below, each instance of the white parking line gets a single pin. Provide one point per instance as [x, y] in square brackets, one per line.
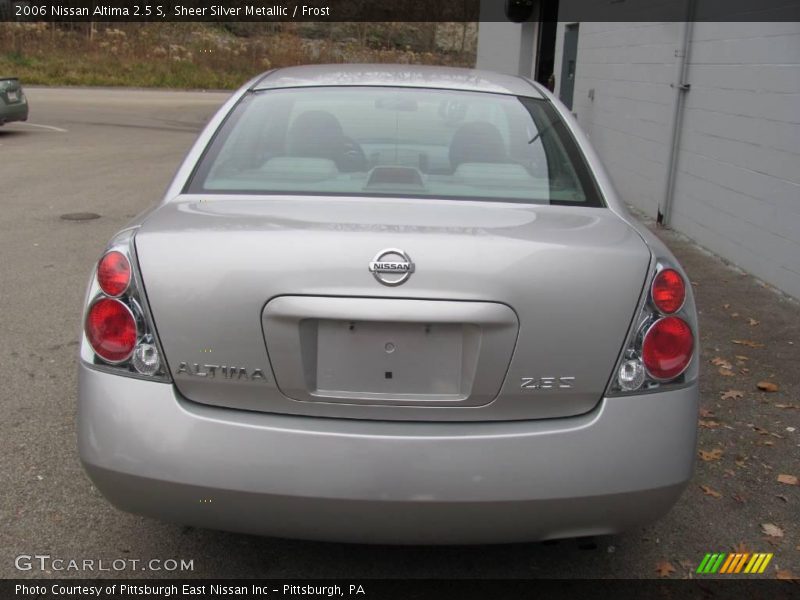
[50, 127]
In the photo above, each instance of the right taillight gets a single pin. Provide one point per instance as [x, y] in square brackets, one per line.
[661, 346]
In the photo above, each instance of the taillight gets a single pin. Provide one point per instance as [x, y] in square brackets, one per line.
[668, 291]
[661, 345]
[114, 273]
[111, 330]
[667, 348]
[118, 328]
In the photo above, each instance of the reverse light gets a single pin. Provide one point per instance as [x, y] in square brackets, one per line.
[668, 291]
[114, 273]
[111, 330]
[631, 375]
[146, 359]
[667, 348]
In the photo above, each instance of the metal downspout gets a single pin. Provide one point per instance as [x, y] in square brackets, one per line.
[681, 86]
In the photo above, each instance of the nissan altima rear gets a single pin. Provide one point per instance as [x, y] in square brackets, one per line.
[391, 305]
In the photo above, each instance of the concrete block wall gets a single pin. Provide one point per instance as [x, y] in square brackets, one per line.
[737, 188]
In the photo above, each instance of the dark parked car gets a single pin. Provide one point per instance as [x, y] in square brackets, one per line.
[13, 103]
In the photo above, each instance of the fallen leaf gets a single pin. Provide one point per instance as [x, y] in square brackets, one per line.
[749, 343]
[788, 406]
[664, 568]
[718, 361]
[788, 479]
[705, 413]
[710, 492]
[782, 497]
[738, 498]
[726, 306]
[707, 424]
[731, 394]
[765, 443]
[742, 357]
[760, 430]
[740, 548]
[771, 530]
[744, 370]
[734, 315]
[752, 322]
[726, 372]
[767, 386]
[784, 574]
[714, 454]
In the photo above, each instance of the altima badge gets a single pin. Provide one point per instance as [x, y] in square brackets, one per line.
[391, 266]
[224, 371]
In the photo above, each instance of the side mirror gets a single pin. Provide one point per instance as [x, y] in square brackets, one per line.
[519, 11]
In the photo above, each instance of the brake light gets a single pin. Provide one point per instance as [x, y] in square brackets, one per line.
[114, 273]
[668, 291]
[667, 348]
[111, 330]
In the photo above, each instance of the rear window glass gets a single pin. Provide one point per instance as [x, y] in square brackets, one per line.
[383, 141]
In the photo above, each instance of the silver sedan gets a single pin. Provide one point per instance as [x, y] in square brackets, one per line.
[390, 304]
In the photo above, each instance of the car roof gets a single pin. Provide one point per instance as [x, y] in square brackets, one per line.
[451, 78]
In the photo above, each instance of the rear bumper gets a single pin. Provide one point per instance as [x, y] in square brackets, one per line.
[13, 112]
[151, 452]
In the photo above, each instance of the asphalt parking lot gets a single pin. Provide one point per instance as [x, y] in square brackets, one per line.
[111, 153]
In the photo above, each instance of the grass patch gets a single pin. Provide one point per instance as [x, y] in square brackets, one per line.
[200, 56]
[104, 71]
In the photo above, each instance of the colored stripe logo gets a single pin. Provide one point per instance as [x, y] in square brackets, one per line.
[737, 562]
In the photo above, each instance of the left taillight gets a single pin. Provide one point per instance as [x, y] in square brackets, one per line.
[661, 347]
[118, 330]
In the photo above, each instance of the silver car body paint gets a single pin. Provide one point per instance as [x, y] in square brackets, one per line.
[539, 301]
[207, 291]
[152, 452]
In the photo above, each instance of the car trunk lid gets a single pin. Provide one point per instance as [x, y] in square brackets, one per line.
[512, 311]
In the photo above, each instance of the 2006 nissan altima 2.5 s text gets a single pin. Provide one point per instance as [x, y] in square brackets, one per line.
[390, 304]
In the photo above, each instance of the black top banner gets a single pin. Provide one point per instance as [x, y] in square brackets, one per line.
[398, 10]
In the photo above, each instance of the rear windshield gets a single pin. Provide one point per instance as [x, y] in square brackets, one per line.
[383, 141]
